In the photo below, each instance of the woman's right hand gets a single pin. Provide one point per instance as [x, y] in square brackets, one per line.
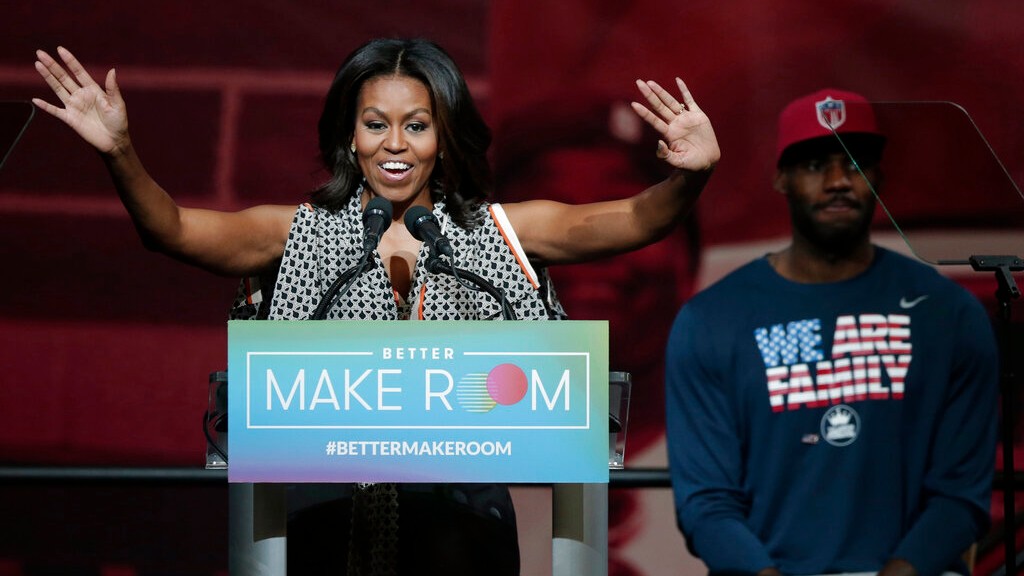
[96, 113]
[237, 244]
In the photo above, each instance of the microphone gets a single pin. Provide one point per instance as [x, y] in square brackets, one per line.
[424, 227]
[376, 219]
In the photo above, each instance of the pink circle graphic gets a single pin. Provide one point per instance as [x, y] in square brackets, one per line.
[506, 384]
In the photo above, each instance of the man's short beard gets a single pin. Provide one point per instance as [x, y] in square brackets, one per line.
[832, 240]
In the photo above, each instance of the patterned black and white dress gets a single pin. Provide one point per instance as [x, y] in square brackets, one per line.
[473, 524]
[323, 244]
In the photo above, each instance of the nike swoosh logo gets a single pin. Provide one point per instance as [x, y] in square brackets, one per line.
[907, 304]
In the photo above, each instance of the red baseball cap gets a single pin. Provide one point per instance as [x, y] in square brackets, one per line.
[816, 115]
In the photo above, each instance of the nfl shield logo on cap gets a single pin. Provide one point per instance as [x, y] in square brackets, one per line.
[831, 113]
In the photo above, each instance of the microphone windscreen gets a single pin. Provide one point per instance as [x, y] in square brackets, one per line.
[378, 204]
[412, 217]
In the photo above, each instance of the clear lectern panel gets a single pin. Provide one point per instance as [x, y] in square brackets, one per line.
[14, 119]
[940, 183]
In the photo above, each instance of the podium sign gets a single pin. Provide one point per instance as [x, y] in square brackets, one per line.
[402, 401]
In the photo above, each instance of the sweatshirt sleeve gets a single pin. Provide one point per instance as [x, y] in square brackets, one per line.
[705, 453]
[958, 483]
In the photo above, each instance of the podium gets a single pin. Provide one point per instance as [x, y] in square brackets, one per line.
[437, 402]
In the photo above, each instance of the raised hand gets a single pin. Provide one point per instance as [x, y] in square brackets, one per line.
[687, 138]
[97, 113]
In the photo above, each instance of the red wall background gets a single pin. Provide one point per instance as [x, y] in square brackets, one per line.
[105, 349]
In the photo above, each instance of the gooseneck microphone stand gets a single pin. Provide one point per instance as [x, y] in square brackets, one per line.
[1007, 291]
[340, 286]
[376, 219]
[435, 265]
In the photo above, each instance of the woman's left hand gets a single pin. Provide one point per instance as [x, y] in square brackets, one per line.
[687, 138]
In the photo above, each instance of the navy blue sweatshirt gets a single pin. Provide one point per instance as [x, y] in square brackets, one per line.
[830, 427]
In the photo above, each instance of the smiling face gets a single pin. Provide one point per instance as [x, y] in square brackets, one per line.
[830, 204]
[396, 140]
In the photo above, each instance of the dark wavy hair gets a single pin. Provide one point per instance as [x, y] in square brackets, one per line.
[462, 175]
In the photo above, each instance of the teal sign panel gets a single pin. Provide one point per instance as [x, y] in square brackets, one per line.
[408, 401]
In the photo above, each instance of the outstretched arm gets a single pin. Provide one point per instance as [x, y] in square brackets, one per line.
[557, 233]
[229, 243]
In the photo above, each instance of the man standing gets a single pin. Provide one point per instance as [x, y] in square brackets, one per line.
[831, 407]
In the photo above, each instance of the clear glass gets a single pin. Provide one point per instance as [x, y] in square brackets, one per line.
[14, 119]
[942, 187]
[216, 421]
[619, 387]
